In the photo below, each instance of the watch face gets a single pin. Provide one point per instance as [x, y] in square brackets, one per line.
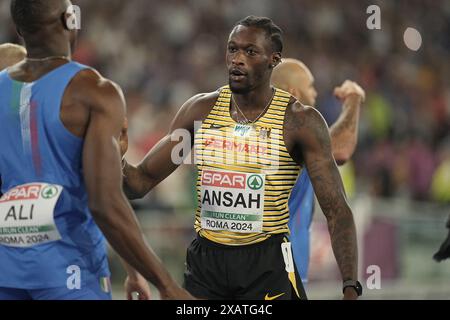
[359, 288]
[354, 284]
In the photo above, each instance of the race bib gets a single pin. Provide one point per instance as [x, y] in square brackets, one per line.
[27, 215]
[232, 201]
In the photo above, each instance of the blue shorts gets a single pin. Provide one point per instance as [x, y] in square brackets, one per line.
[94, 291]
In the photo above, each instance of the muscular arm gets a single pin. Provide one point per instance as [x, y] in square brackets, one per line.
[155, 167]
[309, 141]
[158, 163]
[344, 132]
[102, 174]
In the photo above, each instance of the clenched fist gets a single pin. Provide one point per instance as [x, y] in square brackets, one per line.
[348, 89]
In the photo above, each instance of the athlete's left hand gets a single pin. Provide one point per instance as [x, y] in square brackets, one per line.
[138, 284]
[350, 294]
[349, 89]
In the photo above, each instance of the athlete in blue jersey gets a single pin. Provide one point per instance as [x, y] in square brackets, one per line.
[295, 77]
[10, 54]
[60, 167]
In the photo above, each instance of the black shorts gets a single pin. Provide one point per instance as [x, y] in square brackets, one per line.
[252, 272]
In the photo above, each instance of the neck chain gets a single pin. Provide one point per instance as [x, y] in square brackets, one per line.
[48, 58]
[246, 120]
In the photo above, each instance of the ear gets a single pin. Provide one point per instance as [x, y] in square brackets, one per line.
[296, 93]
[276, 59]
[64, 19]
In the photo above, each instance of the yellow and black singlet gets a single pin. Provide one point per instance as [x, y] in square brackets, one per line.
[245, 174]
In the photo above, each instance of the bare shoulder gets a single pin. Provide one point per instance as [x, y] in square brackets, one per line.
[300, 116]
[199, 106]
[92, 89]
[90, 92]
[195, 109]
[304, 128]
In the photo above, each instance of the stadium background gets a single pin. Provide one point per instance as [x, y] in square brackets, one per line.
[163, 52]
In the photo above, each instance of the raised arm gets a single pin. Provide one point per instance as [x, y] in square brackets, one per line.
[158, 164]
[310, 144]
[103, 178]
[344, 132]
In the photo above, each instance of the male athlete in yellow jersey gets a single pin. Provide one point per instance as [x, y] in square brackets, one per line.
[253, 142]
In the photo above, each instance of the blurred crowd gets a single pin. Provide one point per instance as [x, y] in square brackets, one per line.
[163, 52]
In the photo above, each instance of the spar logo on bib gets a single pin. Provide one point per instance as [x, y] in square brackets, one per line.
[25, 192]
[49, 192]
[255, 182]
[231, 180]
[223, 179]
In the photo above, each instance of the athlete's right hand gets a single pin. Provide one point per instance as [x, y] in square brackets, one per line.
[175, 293]
[138, 284]
[123, 139]
[348, 89]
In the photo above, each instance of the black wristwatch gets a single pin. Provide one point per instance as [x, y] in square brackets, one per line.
[354, 284]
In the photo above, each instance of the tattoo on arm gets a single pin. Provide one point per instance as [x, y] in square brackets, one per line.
[344, 131]
[340, 219]
[330, 192]
[294, 122]
[347, 122]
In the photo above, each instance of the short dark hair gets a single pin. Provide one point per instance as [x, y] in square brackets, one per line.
[273, 31]
[30, 15]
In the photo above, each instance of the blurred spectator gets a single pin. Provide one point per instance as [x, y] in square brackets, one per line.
[421, 168]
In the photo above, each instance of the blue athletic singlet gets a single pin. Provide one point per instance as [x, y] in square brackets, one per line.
[40, 161]
[301, 206]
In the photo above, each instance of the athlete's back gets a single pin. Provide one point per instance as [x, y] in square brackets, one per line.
[41, 155]
[59, 133]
